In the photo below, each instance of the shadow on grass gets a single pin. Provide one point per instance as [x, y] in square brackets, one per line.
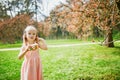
[117, 47]
[116, 52]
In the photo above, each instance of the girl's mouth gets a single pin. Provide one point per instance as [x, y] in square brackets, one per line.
[31, 37]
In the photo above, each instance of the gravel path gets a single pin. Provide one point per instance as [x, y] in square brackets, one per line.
[50, 46]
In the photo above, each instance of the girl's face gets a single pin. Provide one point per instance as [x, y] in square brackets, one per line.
[31, 35]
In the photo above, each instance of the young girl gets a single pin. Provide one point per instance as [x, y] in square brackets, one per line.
[31, 67]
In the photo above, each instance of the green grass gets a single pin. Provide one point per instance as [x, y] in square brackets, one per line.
[84, 62]
[10, 45]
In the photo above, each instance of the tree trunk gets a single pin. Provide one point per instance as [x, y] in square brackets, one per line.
[109, 40]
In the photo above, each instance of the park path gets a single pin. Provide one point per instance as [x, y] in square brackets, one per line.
[53, 46]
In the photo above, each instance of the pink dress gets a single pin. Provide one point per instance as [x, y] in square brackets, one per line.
[31, 67]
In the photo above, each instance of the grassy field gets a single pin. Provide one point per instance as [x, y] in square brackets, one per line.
[84, 62]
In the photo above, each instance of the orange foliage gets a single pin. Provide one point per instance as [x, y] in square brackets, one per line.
[80, 16]
[12, 29]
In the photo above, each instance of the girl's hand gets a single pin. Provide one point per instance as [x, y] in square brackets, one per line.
[32, 47]
[42, 44]
[41, 39]
[28, 48]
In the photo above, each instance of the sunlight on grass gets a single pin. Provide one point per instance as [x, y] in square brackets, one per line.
[84, 62]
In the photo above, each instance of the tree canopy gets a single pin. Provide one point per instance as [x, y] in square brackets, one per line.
[80, 17]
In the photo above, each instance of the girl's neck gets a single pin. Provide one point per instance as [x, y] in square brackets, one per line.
[32, 42]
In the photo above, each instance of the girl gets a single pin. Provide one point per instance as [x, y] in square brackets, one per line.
[31, 67]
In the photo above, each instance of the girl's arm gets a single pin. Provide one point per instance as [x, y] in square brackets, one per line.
[23, 51]
[42, 44]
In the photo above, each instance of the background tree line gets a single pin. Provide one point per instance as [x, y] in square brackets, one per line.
[86, 18]
[77, 19]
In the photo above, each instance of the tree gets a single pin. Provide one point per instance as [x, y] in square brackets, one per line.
[12, 29]
[15, 15]
[80, 16]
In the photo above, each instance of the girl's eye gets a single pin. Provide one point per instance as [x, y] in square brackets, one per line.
[33, 33]
[29, 33]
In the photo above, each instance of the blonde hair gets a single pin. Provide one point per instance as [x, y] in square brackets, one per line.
[24, 34]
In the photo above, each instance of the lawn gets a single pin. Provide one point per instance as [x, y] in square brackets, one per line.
[84, 62]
